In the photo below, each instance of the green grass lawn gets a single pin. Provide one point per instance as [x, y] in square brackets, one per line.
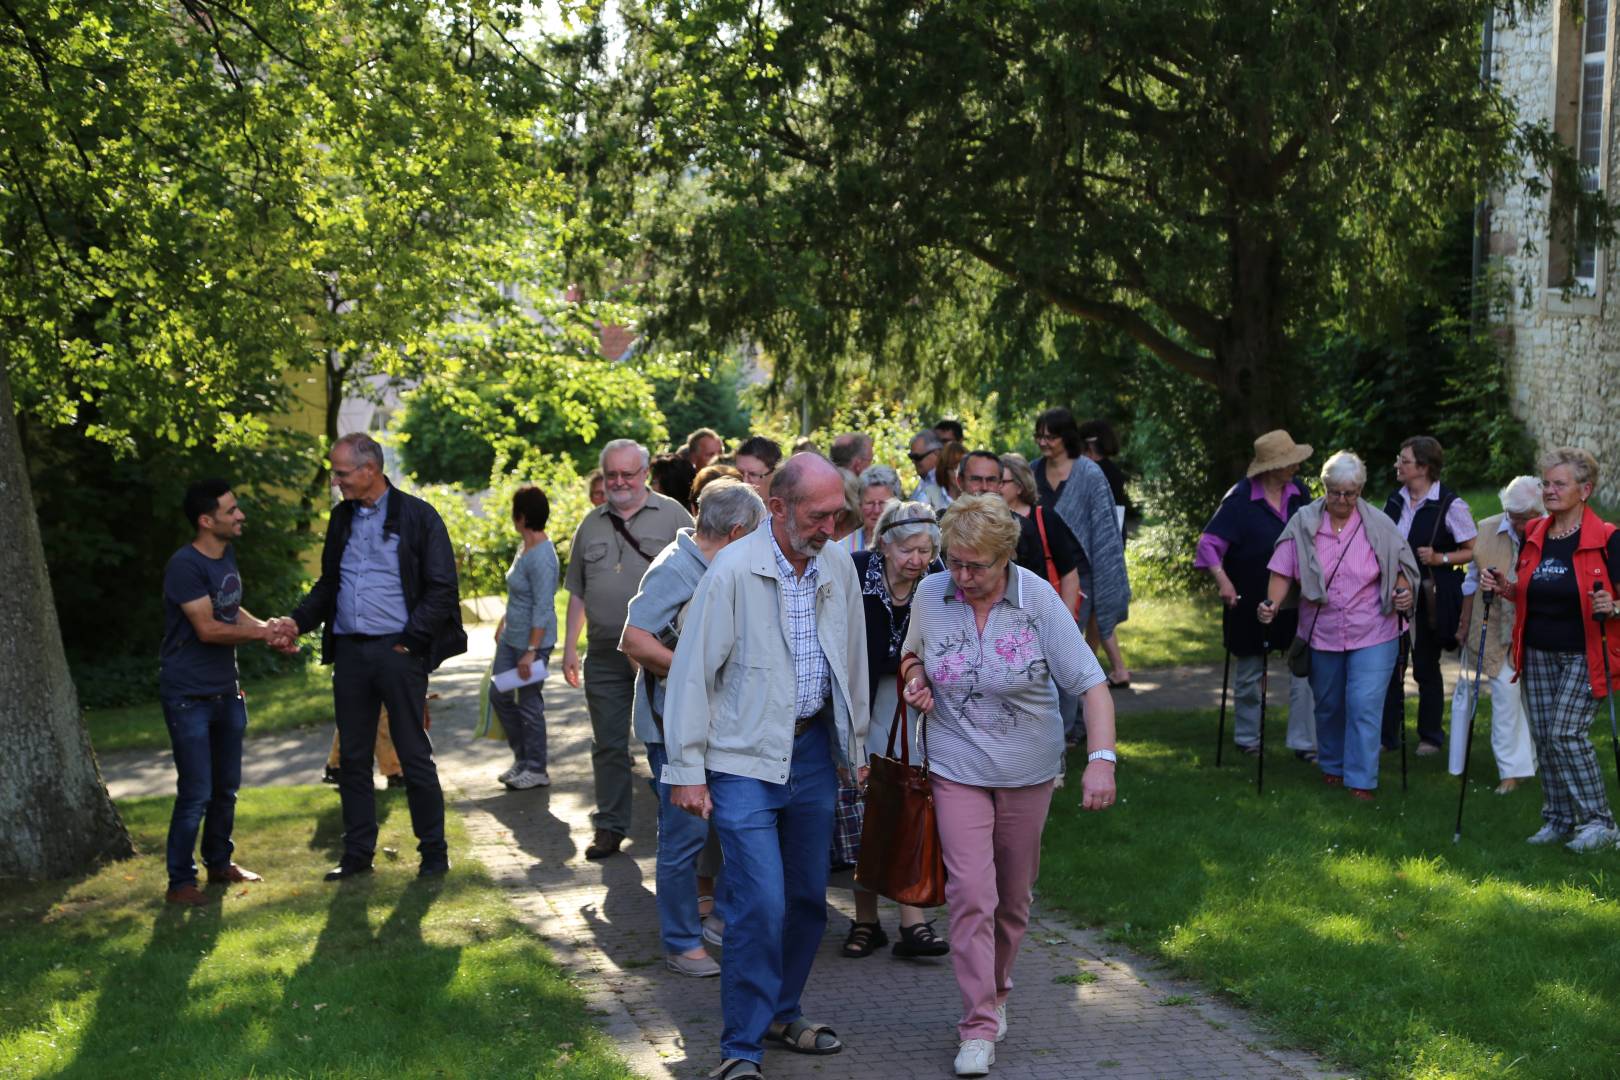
[293, 977]
[1162, 632]
[1358, 929]
[276, 704]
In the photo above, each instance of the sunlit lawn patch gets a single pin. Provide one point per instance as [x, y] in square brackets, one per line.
[275, 704]
[293, 977]
[1360, 930]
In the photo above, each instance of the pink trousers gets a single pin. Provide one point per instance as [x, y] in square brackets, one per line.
[992, 843]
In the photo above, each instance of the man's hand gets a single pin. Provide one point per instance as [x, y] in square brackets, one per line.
[570, 665]
[281, 634]
[693, 798]
[1097, 785]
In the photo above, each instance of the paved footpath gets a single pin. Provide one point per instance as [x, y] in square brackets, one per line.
[897, 1018]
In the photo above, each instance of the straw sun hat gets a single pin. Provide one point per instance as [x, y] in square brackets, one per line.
[1276, 450]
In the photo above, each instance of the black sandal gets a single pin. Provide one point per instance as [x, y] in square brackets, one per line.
[865, 938]
[920, 940]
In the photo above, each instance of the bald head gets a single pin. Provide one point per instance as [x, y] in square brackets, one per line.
[807, 498]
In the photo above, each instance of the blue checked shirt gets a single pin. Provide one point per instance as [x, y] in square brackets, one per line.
[812, 677]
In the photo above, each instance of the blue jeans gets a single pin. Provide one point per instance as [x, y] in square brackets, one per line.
[1349, 689]
[775, 839]
[207, 740]
[681, 837]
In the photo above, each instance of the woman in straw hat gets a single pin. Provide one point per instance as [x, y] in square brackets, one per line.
[1235, 547]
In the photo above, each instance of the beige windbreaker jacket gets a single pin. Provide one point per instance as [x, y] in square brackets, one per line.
[728, 705]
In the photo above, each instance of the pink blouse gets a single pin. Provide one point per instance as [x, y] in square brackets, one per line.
[1353, 616]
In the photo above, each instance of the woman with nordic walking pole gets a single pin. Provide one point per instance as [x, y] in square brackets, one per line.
[1565, 585]
[1235, 546]
[1354, 572]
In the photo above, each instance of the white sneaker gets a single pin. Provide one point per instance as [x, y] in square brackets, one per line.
[1594, 836]
[975, 1057]
[693, 967]
[714, 930]
[1001, 1022]
[525, 779]
[1548, 834]
[507, 775]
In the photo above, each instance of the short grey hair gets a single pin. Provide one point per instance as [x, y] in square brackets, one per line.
[1344, 468]
[726, 503]
[622, 444]
[905, 511]
[929, 438]
[365, 449]
[846, 448]
[1521, 495]
[880, 476]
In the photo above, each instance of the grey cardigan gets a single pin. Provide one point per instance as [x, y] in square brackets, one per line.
[1086, 506]
[1393, 552]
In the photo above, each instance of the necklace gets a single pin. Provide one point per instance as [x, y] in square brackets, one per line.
[894, 594]
[1567, 533]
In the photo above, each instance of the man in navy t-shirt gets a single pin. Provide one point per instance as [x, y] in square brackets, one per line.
[203, 622]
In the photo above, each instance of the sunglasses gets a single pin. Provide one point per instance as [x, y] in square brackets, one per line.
[915, 458]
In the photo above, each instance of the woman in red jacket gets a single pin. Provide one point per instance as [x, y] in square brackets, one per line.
[1566, 578]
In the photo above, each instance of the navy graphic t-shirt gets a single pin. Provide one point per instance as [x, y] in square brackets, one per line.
[1552, 621]
[189, 665]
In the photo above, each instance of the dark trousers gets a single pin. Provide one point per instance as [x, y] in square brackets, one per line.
[610, 687]
[1425, 663]
[367, 674]
[206, 734]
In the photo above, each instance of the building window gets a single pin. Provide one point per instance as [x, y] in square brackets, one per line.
[1589, 125]
[1581, 67]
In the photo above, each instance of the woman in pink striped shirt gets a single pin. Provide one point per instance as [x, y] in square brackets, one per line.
[1352, 571]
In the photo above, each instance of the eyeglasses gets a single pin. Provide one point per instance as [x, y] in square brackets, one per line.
[1344, 496]
[1045, 436]
[980, 481]
[957, 566]
[621, 477]
[755, 477]
[1005, 480]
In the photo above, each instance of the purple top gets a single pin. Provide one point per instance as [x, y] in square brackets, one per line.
[1459, 519]
[1352, 616]
[1212, 549]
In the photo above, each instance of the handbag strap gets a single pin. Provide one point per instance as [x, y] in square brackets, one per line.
[899, 725]
[1310, 635]
[1046, 548]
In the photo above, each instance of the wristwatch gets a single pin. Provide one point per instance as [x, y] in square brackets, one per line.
[1103, 755]
[1445, 557]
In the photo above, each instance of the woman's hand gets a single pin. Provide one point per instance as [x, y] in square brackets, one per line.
[1265, 612]
[1097, 785]
[1229, 593]
[919, 695]
[1493, 580]
[1602, 604]
[1403, 596]
[525, 664]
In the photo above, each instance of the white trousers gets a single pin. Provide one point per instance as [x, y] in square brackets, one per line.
[1510, 731]
[1246, 703]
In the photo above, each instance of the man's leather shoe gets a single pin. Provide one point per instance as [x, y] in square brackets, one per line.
[606, 843]
[436, 868]
[396, 781]
[231, 875]
[345, 871]
[187, 894]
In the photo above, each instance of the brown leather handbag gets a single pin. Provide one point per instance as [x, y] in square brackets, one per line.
[900, 855]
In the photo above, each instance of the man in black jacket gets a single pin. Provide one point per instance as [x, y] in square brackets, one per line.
[388, 597]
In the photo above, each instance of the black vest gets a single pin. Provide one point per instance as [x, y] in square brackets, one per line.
[1429, 527]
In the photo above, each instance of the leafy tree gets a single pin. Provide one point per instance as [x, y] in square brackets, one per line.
[1211, 181]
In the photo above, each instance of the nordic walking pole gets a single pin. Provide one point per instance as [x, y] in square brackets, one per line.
[1260, 761]
[1608, 680]
[1400, 689]
[1473, 711]
[1220, 732]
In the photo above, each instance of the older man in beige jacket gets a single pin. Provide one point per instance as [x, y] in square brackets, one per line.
[767, 699]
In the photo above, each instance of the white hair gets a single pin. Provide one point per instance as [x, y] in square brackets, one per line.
[1346, 469]
[621, 444]
[880, 476]
[920, 521]
[1522, 494]
[726, 503]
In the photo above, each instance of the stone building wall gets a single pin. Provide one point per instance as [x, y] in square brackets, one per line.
[1563, 351]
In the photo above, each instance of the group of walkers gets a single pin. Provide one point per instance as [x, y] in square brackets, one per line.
[1351, 594]
[765, 623]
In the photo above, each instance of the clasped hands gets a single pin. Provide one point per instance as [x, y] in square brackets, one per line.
[281, 634]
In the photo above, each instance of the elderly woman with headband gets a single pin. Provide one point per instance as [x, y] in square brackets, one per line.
[1565, 584]
[989, 648]
[1353, 572]
[907, 548]
[1501, 537]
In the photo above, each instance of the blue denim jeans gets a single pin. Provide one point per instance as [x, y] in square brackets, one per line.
[775, 839]
[681, 837]
[1349, 689]
[207, 740]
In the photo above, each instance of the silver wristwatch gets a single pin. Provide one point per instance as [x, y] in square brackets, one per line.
[1103, 755]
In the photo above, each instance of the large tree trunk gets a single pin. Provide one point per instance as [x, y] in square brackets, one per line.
[56, 817]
